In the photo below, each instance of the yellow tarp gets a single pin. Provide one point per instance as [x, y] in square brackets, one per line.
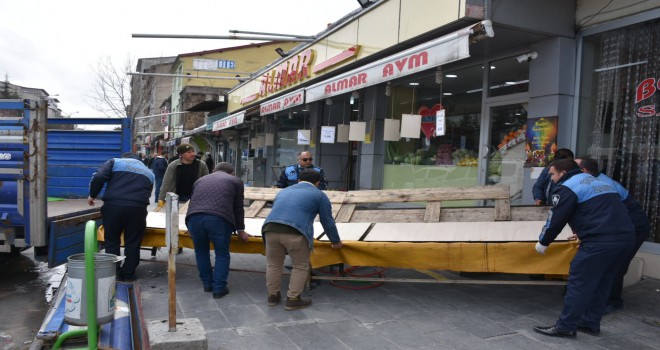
[503, 257]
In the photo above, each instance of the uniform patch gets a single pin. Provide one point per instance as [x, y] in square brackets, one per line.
[555, 199]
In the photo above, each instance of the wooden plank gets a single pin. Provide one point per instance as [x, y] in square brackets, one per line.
[260, 193]
[499, 231]
[502, 210]
[428, 194]
[345, 213]
[436, 281]
[254, 208]
[432, 213]
[347, 231]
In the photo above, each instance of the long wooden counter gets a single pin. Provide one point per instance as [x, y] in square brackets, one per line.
[409, 228]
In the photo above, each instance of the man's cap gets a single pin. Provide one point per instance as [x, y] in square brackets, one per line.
[184, 148]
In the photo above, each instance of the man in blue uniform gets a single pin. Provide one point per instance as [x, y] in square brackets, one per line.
[129, 186]
[291, 173]
[596, 214]
[543, 185]
[639, 219]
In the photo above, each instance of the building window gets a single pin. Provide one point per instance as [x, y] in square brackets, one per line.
[619, 116]
[508, 76]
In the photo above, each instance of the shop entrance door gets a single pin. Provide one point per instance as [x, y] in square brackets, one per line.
[503, 152]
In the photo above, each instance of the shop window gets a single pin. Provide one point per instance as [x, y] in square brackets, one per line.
[286, 142]
[508, 76]
[619, 113]
[430, 160]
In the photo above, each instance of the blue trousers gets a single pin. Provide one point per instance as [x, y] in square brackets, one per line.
[589, 282]
[206, 229]
[159, 182]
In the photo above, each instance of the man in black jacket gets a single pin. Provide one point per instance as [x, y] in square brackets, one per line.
[596, 214]
[129, 186]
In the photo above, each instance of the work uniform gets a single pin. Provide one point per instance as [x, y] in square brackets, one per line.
[125, 201]
[642, 230]
[291, 173]
[596, 214]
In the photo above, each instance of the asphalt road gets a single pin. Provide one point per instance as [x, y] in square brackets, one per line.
[25, 292]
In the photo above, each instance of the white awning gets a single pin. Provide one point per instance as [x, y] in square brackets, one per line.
[448, 48]
[229, 121]
[287, 101]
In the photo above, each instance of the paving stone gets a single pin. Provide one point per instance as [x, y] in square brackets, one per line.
[245, 316]
[310, 336]
[402, 334]
[196, 301]
[212, 321]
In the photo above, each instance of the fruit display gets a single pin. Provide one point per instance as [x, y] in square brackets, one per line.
[513, 138]
[464, 157]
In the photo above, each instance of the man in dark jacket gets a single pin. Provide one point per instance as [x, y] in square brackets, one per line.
[159, 166]
[639, 219]
[129, 185]
[291, 173]
[596, 214]
[214, 212]
[543, 185]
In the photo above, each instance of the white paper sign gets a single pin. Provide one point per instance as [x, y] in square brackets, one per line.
[440, 123]
[304, 136]
[270, 139]
[357, 131]
[391, 130]
[411, 125]
[342, 133]
[327, 134]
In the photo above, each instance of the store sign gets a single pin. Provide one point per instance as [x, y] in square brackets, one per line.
[449, 48]
[227, 122]
[205, 64]
[287, 101]
[645, 90]
[292, 71]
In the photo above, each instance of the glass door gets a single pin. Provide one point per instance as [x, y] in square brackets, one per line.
[504, 149]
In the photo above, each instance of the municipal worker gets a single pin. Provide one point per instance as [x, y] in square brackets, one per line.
[595, 212]
[639, 219]
[129, 186]
[543, 185]
[289, 229]
[291, 173]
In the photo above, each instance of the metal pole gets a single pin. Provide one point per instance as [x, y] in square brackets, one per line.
[273, 34]
[228, 37]
[189, 76]
[172, 240]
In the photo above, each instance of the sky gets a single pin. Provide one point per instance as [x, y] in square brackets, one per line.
[55, 45]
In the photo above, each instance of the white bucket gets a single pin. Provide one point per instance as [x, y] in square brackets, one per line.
[75, 312]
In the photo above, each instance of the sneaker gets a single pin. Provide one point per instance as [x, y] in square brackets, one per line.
[274, 299]
[220, 294]
[296, 303]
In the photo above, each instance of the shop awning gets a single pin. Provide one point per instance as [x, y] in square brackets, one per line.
[287, 101]
[229, 121]
[448, 48]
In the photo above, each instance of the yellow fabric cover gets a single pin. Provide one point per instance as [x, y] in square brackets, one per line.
[503, 257]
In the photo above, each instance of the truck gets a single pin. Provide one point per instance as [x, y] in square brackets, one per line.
[45, 174]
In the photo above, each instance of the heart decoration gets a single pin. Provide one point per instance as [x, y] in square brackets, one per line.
[428, 119]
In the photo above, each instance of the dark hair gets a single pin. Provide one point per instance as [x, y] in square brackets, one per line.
[224, 167]
[564, 153]
[309, 175]
[564, 165]
[589, 164]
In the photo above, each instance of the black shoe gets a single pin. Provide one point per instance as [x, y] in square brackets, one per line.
[124, 277]
[208, 289]
[220, 294]
[588, 330]
[273, 300]
[612, 308]
[296, 303]
[179, 251]
[153, 251]
[554, 332]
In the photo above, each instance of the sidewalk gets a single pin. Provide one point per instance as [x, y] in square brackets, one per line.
[391, 316]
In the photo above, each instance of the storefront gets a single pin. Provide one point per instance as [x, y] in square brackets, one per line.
[619, 110]
[500, 125]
